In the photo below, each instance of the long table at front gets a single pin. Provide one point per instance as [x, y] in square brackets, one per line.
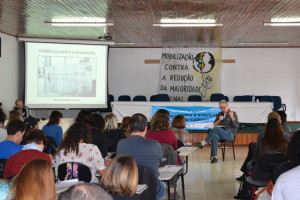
[247, 112]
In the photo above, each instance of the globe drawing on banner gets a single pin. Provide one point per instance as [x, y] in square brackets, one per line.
[205, 62]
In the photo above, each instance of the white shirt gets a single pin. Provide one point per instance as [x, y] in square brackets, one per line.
[88, 154]
[287, 185]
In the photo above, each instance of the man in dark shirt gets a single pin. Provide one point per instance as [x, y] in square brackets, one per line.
[146, 152]
[225, 128]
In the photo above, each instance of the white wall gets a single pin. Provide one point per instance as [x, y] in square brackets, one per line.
[259, 71]
[264, 71]
[10, 77]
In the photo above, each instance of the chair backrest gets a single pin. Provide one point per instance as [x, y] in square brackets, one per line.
[217, 97]
[277, 102]
[146, 177]
[237, 98]
[51, 146]
[139, 98]
[111, 98]
[246, 98]
[196, 98]
[268, 161]
[2, 165]
[266, 98]
[152, 98]
[169, 153]
[74, 170]
[124, 98]
[162, 97]
[179, 144]
[226, 98]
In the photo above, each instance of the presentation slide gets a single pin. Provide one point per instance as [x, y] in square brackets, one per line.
[65, 75]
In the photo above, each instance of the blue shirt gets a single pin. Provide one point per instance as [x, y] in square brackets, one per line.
[54, 131]
[9, 148]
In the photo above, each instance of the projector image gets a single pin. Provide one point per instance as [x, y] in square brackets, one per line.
[105, 38]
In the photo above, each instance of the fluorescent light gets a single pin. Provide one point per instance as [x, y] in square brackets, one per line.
[289, 19]
[66, 41]
[187, 24]
[124, 43]
[79, 24]
[281, 23]
[81, 19]
[186, 21]
[263, 43]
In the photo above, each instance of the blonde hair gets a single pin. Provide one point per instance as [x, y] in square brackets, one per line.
[34, 181]
[111, 122]
[121, 176]
[14, 114]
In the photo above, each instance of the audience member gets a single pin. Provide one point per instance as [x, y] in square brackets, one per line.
[178, 125]
[2, 111]
[225, 128]
[35, 142]
[15, 132]
[31, 123]
[85, 191]
[34, 181]
[3, 132]
[121, 178]
[160, 130]
[293, 154]
[52, 128]
[76, 147]
[83, 116]
[125, 125]
[273, 140]
[146, 152]
[284, 124]
[14, 114]
[19, 106]
[96, 124]
[111, 131]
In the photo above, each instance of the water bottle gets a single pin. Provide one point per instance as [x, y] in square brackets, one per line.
[253, 98]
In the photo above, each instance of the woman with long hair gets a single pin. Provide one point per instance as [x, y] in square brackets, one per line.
[34, 181]
[96, 124]
[273, 140]
[112, 132]
[76, 147]
[125, 125]
[160, 130]
[177, 126]
[52, 128]
[121, 178]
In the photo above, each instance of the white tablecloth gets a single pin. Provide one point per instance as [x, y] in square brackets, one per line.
[247, 112]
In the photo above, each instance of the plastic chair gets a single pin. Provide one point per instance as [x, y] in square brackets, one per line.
[195, 98]
[246, 98]
[162, 97]
[217, 97]
[237, 98]
[146, 177]
[226, 98]
[139, 98]
[278, 103]
[152, 98]
[2, 165]
[223, 147]
[124, 98]
[74, 170]
[266, 98]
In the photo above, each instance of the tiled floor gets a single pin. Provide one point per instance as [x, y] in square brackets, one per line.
[206, 181]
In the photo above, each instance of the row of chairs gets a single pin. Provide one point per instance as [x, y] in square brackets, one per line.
[276, 100]
[165, 97]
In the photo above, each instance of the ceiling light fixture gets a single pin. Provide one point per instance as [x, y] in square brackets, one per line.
[102, 24]
[281, 23]
[124, 43]
[188, 24]
[263, 43]
[66, 41]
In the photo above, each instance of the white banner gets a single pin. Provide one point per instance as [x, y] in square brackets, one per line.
[190, 71]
